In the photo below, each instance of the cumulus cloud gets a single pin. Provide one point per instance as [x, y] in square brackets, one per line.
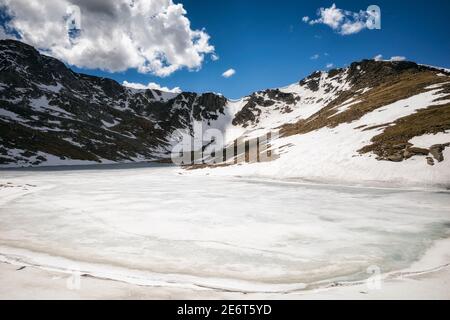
[342, 21]
[397, 58]
[379, 57]
[6, 33]
[153, 36]
[229, 73]
[214, 57]
[315, 57]
[3, 34]
[352, 27]
[150, 85]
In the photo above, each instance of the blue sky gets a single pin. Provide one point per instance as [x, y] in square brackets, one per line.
[268, 45]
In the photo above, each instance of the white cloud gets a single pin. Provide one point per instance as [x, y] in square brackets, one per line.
[153, 36]
[214, 57]
[397, 58]
[329, 65]
[332, 17]
[352, 27]
[150, 85]
[305, 19]
[229, 73]
[315, 57]
[3, 34]
[342, 21]
[378, 57]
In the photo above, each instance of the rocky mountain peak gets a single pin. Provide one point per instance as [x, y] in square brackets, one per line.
[48, 112]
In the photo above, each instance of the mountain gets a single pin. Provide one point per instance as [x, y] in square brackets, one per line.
[52, 115]
[371, 121]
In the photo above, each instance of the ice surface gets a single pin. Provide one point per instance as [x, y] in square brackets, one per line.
[233, 233]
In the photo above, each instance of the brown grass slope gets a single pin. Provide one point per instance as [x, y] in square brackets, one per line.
[391, 143]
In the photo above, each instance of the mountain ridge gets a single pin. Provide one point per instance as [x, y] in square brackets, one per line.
[51, 115]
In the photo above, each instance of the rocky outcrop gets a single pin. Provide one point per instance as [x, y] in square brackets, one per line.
[312, 82]
[409, 151]
[251, 111]
[414, 151]
[277, 95]
[437, 149]
[371, 73]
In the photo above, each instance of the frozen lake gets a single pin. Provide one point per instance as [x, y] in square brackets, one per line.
[153, 225]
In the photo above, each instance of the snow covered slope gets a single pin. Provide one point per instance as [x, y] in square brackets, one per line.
[375, 123]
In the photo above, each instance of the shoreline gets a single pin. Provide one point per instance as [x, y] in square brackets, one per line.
[427, 278]
[236, 173]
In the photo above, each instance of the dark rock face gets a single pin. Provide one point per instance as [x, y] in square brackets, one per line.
[418, 151]
[312, 82]
[408, 151]
[334, 72]
[208, 106]
[48, 110]
[395, 157]
[277, 95]
[251, 111]
[370, 73]
[436, 151]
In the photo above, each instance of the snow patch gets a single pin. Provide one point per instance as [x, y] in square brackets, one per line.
[427, 140]
[55, 89]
